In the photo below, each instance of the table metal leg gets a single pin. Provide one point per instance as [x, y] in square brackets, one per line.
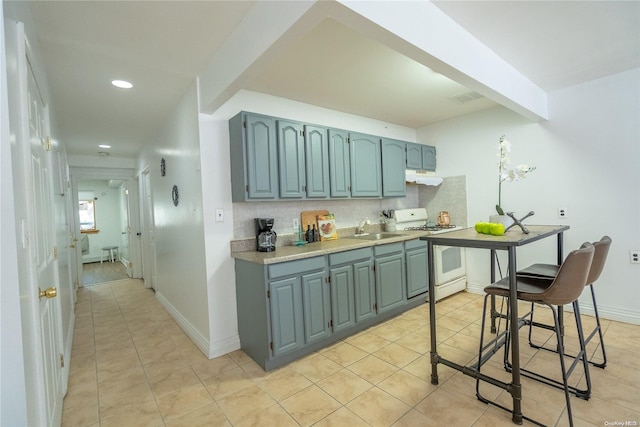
[516, 388]
[432, 313]
[493, 297]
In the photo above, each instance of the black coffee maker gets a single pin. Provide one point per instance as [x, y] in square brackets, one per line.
[265, 238]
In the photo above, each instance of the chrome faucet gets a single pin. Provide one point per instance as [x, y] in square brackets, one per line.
[360, 228]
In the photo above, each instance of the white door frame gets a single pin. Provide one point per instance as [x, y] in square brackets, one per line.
[82, 173]
[147, 225]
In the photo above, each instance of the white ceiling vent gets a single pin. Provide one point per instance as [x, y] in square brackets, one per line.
[463, 98]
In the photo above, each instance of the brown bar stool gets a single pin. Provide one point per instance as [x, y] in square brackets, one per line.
[564, 289]
[549, 272]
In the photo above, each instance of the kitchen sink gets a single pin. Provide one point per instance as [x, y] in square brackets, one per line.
[375, 236]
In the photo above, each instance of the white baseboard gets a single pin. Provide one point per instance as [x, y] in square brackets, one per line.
[198, 339]
[210, 349]
[224, 346]
[605, 312]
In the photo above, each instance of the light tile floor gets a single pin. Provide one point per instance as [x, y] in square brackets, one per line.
[131, 365]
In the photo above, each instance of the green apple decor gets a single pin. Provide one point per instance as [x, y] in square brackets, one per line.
[490, 228]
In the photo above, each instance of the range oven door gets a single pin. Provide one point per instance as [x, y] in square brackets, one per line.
[449, 263]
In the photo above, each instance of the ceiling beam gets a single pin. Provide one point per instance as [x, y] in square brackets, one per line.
[421, 31]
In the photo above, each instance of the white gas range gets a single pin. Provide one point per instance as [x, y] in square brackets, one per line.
[451, 272]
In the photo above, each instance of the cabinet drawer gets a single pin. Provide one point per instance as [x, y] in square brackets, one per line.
[415, 244]
[349, 256]
[295, 267]
[387, 249]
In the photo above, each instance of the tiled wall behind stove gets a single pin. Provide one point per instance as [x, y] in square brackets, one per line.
[451, 196]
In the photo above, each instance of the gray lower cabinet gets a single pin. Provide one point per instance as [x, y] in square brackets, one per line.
[317, 306]
[285, 302]
[390, 276]
[352, 288]
[415, 252]
[290, 309]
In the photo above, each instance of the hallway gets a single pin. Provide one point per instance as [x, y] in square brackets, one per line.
[131, 365]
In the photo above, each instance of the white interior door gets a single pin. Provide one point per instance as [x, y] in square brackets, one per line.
[43, 256]
[148, 239]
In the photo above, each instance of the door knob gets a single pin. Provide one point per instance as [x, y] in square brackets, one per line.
[51, 292]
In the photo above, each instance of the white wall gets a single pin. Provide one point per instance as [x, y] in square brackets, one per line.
[181, 284]
[587, 162]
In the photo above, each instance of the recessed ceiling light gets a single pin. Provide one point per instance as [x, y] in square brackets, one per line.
[122, 84]
[104, 146]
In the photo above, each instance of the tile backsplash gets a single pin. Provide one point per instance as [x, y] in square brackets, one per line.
[450, 196]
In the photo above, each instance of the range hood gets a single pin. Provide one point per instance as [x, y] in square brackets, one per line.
[423, 178]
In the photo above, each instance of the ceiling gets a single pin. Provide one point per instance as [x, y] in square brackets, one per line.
[86, 44]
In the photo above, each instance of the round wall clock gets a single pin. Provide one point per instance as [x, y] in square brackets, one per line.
[163, 167]
[175, 195]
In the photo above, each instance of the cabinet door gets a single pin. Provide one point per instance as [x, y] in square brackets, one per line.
[429, 157]
[366, 179]
[417, 272]
[291, 160]
[317, 165]
[365, 290]
[339, 163]
[317, 310]
[262, 161]
[343, 314]
[393, 168]
[414, 156]
[390, 281]
[287, 327]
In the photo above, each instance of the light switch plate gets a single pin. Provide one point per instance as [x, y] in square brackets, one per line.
[219, 215]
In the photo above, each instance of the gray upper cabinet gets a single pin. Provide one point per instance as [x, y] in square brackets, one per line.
[317, 161]
[366, 173]
[429, 157]
[414, 156]
[254, 162]
[339, 164]
[291, 160]
[393, 168]
[422, 157]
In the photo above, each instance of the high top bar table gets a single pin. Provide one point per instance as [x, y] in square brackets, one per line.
[509, 241]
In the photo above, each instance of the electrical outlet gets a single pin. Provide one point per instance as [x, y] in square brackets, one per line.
[296, 224]
[562, 212]
[634, 256]
[219, 215]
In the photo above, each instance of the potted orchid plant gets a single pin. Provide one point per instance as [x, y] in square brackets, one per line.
[505, 174]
